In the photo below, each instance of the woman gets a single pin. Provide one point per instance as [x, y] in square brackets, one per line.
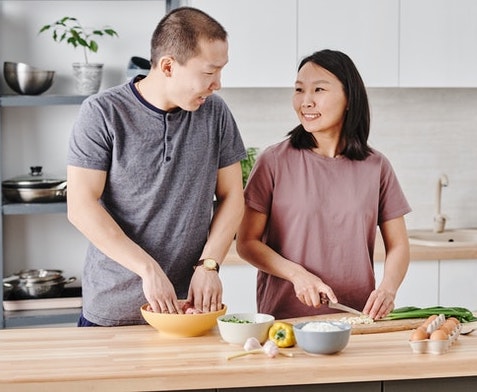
[314, 201]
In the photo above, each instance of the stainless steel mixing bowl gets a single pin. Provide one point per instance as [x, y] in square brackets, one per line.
[25, 79]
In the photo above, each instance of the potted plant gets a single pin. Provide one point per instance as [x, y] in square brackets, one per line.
[68, 29]
[248, 163]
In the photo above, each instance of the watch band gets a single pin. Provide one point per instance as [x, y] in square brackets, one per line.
[209, 264]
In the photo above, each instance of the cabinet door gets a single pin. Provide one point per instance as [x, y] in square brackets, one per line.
[262, 41]
[240, 286]
[458, 283]
[438, 43]
[366, 30]
[420, 286]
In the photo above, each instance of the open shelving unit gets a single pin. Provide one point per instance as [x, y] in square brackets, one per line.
[23, 318]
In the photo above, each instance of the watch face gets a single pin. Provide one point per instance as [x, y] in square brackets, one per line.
[210, 264]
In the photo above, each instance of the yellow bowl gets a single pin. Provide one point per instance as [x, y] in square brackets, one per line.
[182, 325]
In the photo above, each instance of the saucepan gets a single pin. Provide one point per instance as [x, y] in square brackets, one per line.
[33, 284]
[34, 187]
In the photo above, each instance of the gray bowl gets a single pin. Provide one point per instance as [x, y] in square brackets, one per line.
[320, 341]
[25, 79]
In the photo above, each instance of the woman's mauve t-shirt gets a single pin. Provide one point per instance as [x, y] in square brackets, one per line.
[323, 214]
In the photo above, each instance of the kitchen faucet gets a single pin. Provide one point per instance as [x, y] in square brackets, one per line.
[439, 218]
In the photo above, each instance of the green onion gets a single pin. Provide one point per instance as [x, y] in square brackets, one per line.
[462, 314]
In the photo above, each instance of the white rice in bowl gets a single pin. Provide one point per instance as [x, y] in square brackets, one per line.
[321, 326]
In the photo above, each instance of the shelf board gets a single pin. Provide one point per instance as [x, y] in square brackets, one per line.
[40, 100]
[33, 208]
[26, 318]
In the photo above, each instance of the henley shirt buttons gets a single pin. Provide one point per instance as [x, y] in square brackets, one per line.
[168, 159]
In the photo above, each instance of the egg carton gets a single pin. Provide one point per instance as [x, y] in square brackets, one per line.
[428, 346]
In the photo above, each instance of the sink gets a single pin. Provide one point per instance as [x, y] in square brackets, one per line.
[448, 238]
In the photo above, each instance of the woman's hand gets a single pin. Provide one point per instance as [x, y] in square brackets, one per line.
[380, 303]
[310, 288]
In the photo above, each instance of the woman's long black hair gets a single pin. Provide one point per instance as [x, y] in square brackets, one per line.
[355, 132]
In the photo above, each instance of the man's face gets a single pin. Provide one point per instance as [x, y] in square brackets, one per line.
[199, 77]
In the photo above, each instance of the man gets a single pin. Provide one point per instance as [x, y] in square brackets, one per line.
[144, 163]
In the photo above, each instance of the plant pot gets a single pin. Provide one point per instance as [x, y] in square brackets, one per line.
[87, 77]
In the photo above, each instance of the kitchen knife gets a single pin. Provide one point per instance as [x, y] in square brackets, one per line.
[335, 305]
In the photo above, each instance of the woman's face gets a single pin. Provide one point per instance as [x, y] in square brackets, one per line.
[319, 100]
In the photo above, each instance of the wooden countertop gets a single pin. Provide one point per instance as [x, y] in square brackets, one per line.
[418, 253]
[138, 358]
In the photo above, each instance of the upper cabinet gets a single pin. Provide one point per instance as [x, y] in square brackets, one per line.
[394, 43]
[262, 40]
[366, 30]
[438, 45]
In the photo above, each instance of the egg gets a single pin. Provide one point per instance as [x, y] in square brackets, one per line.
[439, 334]
[449, 326]
[454, 320]
[419, 334]
[429, 320]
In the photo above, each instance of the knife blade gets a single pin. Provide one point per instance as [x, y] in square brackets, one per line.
[335, 305]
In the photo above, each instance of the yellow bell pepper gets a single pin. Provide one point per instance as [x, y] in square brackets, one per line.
[282, 334]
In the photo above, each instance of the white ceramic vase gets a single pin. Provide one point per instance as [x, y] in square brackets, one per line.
[87, 77]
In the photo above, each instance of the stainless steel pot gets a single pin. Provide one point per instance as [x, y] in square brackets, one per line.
[34, 188]
[39, 275]
[33, 284]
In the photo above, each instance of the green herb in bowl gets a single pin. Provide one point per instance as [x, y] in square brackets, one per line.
[235, 319]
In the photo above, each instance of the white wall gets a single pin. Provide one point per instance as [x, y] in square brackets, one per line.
[134, 21]
[424, 132]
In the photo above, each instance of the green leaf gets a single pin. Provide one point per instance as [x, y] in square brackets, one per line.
[111, 32]
[72, 41]
[93, 46]
[74, 34]
[82, 42]
[44, 28]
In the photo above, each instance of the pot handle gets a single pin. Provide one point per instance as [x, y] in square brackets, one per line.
[68, 281]
[61, 186]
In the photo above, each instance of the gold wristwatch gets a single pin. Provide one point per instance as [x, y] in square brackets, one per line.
[208, 264]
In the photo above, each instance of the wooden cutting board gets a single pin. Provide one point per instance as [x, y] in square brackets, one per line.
[378, 326]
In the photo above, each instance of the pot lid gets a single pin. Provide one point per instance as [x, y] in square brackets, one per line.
[39, 275]
[36, 179]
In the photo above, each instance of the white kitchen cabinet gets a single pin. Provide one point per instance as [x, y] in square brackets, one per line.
[239, 285]
[437, 283]
[438, 42]
[458, 283]
[366, 30]
[262, 40]
[420, 286]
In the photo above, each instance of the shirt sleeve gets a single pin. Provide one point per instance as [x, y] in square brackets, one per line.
[90, 145]
[392, 201]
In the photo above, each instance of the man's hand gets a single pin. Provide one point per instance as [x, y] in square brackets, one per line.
[205, 291]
